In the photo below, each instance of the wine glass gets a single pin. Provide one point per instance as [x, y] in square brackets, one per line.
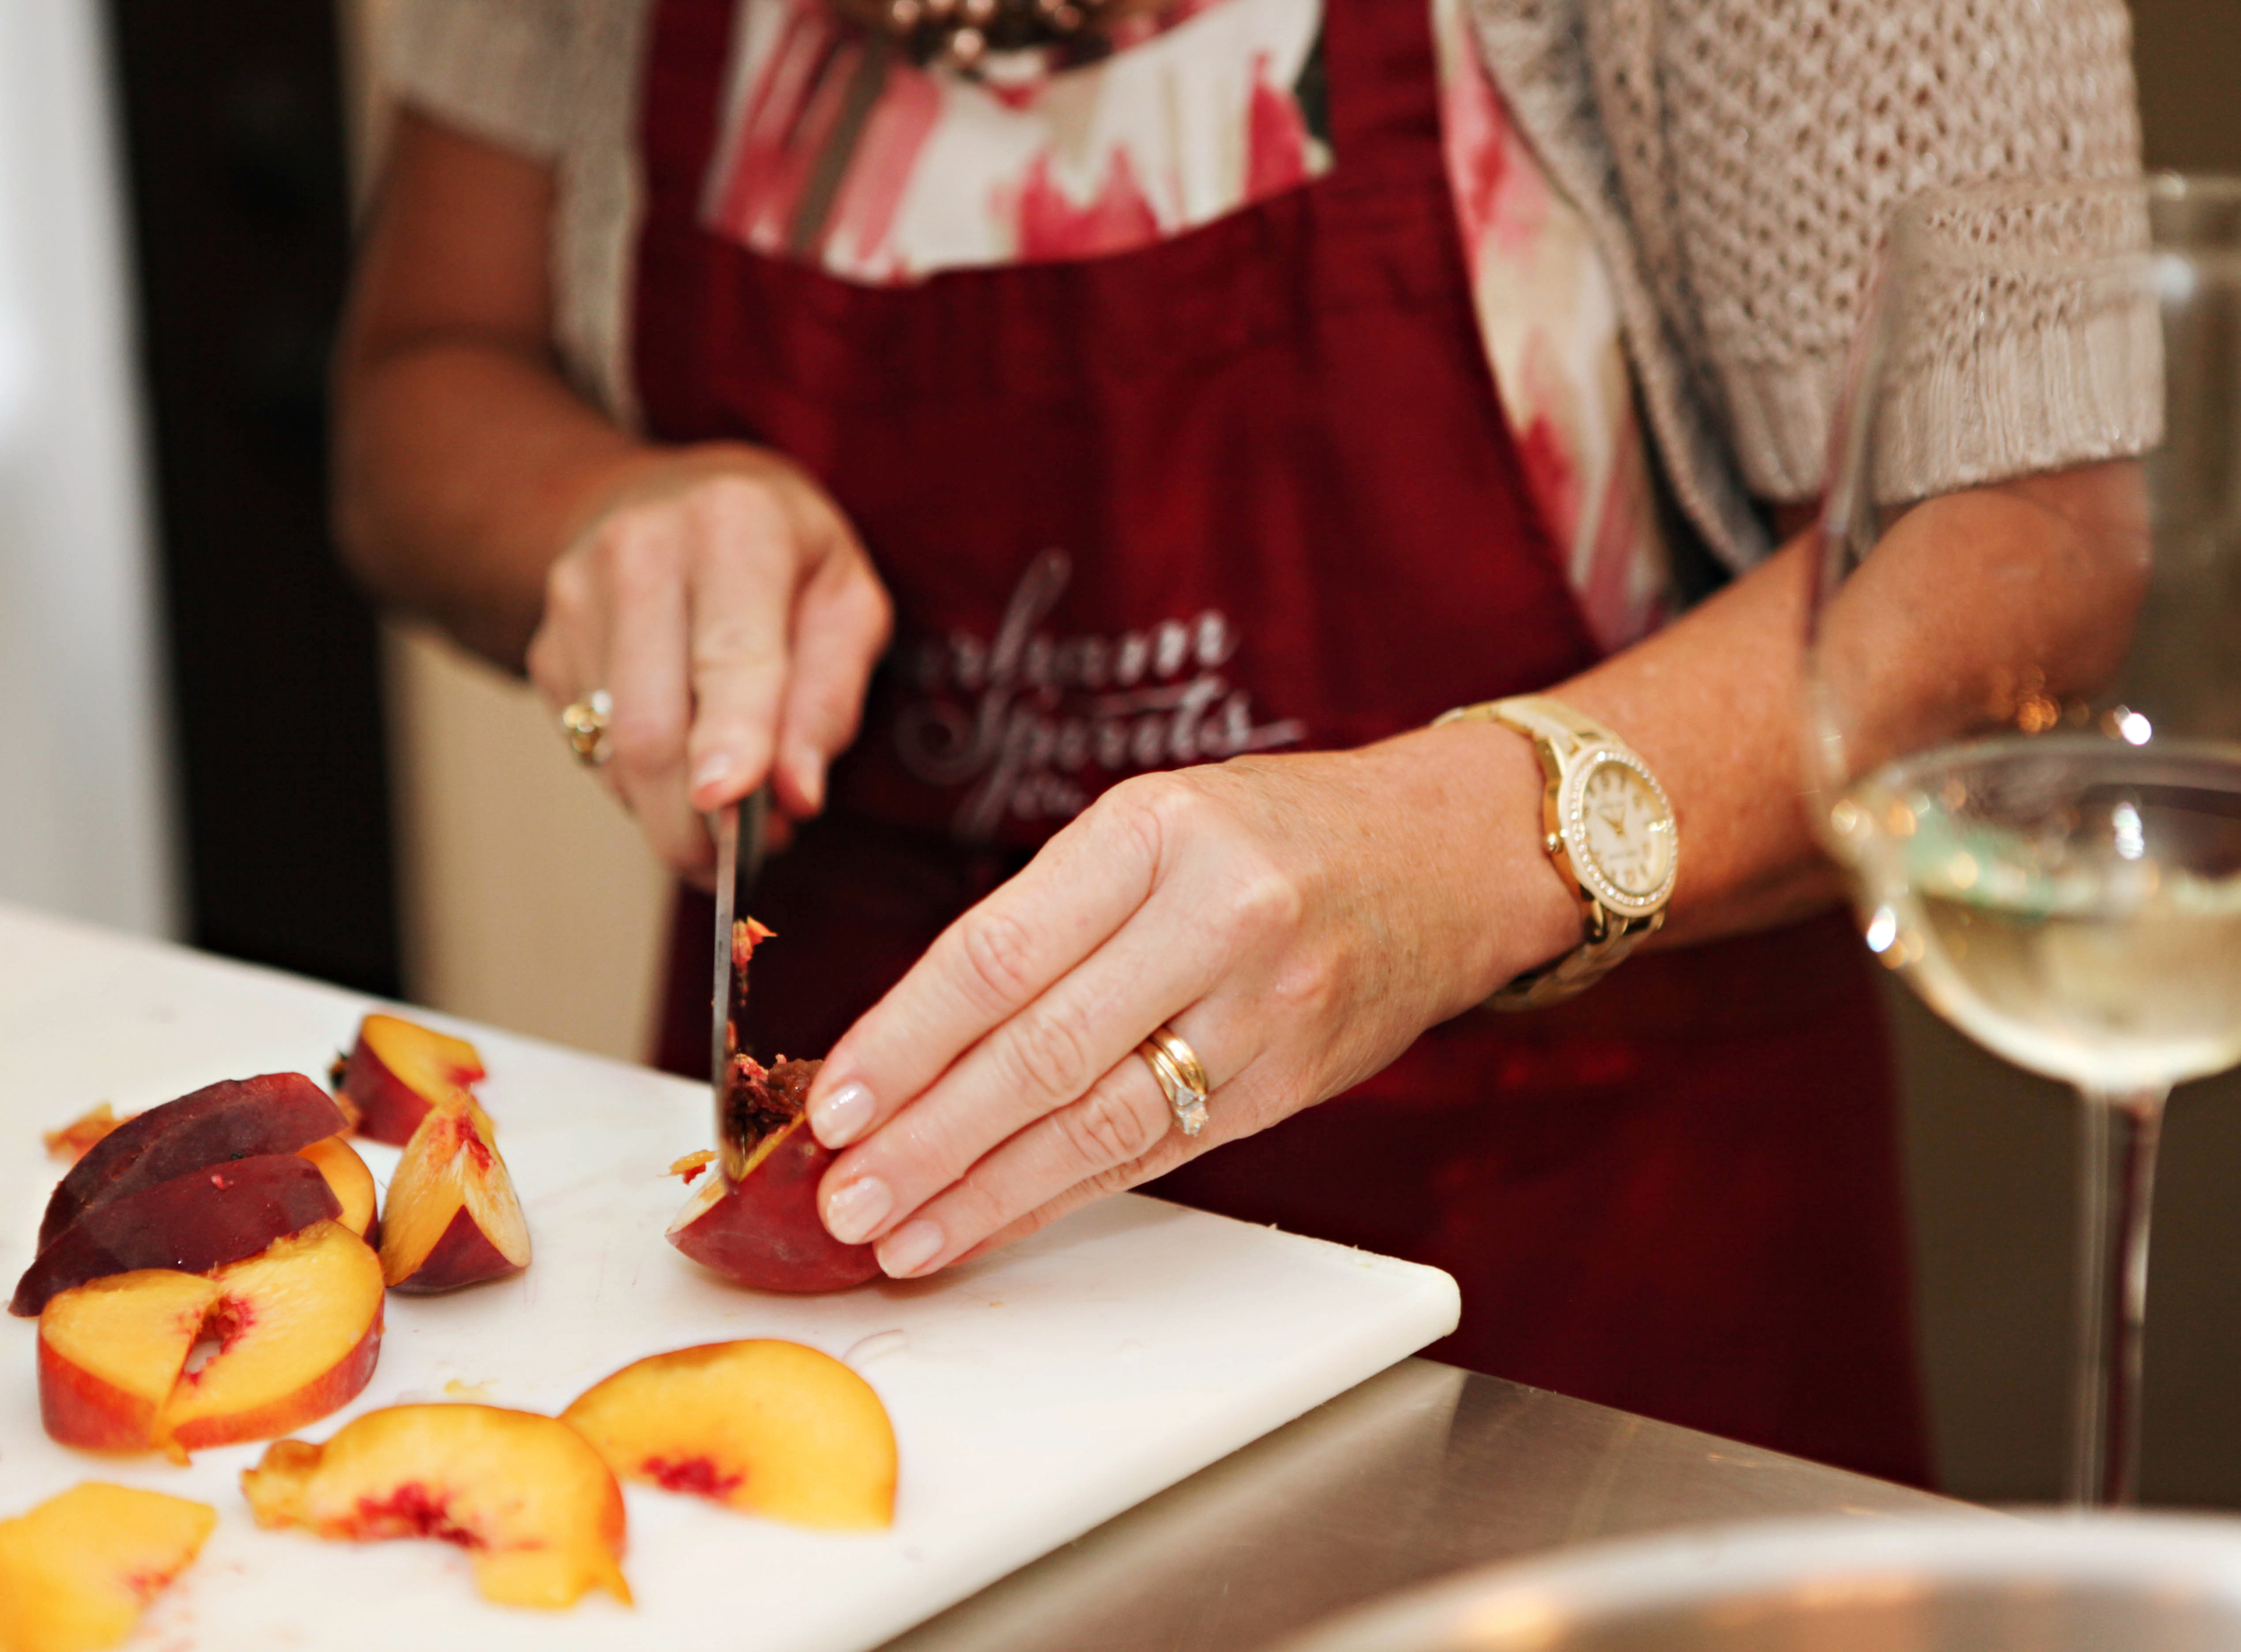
[2023, 674]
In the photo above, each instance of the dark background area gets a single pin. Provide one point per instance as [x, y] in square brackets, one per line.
[241, 212]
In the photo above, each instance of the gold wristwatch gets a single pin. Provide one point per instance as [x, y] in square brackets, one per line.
[1608, 826]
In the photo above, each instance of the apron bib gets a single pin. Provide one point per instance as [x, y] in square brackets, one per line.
[1250, 488]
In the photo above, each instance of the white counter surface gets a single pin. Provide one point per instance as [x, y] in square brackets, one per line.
[1034, 1394]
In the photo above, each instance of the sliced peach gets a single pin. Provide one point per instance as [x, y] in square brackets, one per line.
[298, 1332]
[193, 1222]
[348, 1180]
[762, 1228]
[111, 1351]
[290, 1335]
[237, 1119]
[770, 1428]
[75, 1140]
[398, 1070]
[525, 1494]
[451, 1218]
[76, 1571]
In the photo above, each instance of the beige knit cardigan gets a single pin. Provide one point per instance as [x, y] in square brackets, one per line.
[1734, 159]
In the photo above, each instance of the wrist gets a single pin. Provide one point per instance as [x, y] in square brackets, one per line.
[1504, 899]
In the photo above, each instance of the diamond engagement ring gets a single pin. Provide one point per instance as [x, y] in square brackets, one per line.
[585, 722]
[1182, 1076]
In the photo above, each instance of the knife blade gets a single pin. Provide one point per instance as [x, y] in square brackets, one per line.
[738, 833]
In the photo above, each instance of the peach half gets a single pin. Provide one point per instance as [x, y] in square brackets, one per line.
[76, 1571]
[761, 1228]
[769, 1428]
[451, 1218]
[181, 1361]
[237, 1119]
[523, 1495]
[398, 1070]
[204, 1219]
[348, 1180]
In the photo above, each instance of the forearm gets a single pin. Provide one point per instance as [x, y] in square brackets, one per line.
[464, 466]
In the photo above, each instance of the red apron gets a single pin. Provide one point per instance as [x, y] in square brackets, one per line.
[1250, 489]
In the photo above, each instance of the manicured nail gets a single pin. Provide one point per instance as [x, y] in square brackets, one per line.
[839, 1118]
[910, 1247]
[809, 774]
[714, 769]
[854, 1210]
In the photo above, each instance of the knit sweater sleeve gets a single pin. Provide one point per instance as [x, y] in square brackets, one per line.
[495, 69]
[1759, 145]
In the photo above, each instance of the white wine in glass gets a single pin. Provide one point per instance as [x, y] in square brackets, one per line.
[2024, 674]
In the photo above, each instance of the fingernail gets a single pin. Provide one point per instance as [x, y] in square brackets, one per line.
[856, 1209]
[714, 769]
[809, 776]
[838, 1119]
[910, 1247]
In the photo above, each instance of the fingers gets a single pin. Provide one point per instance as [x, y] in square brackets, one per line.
[1044, 1063]
[1119, 1133]
[841, 623]
[646, 600]
[726, 613]
[993, 961]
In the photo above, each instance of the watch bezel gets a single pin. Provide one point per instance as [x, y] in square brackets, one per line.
[1572, 827]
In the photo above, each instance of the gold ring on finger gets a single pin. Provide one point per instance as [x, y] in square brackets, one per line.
[1182, 1076]
[585, 722]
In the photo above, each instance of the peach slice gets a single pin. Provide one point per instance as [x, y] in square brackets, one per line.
[525, 1494]
[278, 1112]
[291, 1335]
[398, 1070]
[347, 1177]
[451, 1218]
[770, 1428]
[762, 1228]
[204, 1219]
[76, 1571]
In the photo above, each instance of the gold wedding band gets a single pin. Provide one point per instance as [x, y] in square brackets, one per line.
[585, 722]
[1182, 1076]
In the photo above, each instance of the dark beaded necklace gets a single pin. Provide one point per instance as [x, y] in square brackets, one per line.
[963, 31]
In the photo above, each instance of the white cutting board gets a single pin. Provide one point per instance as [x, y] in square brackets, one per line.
[1034, 1394]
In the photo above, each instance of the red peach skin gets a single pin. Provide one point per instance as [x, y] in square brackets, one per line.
[212, 1216]
[233, 1119]
[762, 1231]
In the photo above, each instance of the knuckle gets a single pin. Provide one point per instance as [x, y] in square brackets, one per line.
[1268, 900]
[740, 507]
[998, 954]
[1050, 1047]
[1147, 812]
[1103, 1129]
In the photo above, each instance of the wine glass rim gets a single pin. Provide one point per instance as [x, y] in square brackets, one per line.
[1910, 217]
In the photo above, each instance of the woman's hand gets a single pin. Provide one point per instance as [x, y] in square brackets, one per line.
[727, 609]
[1297, 919]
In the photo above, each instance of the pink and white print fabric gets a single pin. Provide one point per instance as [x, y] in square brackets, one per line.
[837, 151]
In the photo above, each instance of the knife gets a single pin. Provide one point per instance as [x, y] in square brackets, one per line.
[734, 825]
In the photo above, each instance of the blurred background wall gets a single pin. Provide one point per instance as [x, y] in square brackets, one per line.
[87, 821]
[511, 889]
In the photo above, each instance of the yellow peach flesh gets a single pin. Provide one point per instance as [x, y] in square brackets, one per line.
[452, 1167]
[767, 1427]
[76, 1571]
[523, 1495]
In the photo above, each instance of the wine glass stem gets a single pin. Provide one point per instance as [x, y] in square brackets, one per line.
[2117, 1165]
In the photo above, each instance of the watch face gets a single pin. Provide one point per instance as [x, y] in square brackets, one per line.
[1622, 827]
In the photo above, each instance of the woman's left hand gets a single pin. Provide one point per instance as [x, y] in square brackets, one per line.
[1297, 919]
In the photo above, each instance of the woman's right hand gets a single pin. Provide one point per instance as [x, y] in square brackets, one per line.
[729, 612]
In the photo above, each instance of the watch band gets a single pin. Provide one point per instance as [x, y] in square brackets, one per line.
[1559, 735]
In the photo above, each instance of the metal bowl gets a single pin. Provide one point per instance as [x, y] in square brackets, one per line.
[2058, 1583]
